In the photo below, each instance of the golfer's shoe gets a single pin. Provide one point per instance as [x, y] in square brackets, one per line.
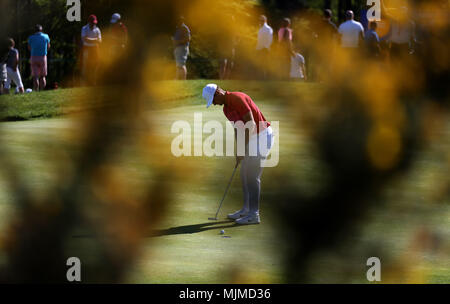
[250, 219]
[238, 214]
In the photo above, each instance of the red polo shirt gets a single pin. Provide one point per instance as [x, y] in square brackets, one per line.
[238, 105]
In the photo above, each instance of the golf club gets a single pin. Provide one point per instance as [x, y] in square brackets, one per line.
[224, 195]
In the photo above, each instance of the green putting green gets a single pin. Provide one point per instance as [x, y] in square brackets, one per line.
[186, 247]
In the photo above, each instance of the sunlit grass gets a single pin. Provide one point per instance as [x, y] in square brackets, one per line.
[252, 254]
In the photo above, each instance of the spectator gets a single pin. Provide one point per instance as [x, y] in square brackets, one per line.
[119, 34]
[227, 45]
[3, 74]
[39, 44]
[265, 39]
[372, 41]
[352, 32]
[265, 35]
[324, 53]
[181, 41]
[285, 27]
[329, 30]
[298, 69]
[285, 47]
[12, 67]
[91, 37]
[3, 57]
[401, 34]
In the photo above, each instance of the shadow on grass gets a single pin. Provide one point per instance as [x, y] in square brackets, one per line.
[190, 229]
[12, 118]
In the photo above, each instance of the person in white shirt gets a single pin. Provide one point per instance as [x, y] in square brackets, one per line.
[351, 31]
[265, 34]
[298, 69]
[401, 35]
[265, 39]
[91, 37]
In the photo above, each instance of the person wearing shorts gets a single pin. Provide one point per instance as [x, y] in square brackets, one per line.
[181, 41]
[39, 44]
[12, 68]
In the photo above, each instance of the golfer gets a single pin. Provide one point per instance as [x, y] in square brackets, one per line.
[240, 109]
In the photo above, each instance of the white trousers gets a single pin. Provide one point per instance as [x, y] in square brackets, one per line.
[13, 76]
[251, 169]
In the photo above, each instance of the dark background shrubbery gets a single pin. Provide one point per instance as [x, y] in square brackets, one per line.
[18, 18]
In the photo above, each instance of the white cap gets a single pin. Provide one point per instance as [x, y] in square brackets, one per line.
[208, 94]
[115, 18]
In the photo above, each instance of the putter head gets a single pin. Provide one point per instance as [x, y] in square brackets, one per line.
[212, 219]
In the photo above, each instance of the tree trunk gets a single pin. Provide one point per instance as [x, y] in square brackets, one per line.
[341, 10]
[348, 5]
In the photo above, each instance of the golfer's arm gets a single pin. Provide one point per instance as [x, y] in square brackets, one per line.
[252, 126]
[236, 139]
[249, 118]
[252, 129]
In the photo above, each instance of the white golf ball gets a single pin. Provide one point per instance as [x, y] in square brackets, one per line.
[222, 231]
